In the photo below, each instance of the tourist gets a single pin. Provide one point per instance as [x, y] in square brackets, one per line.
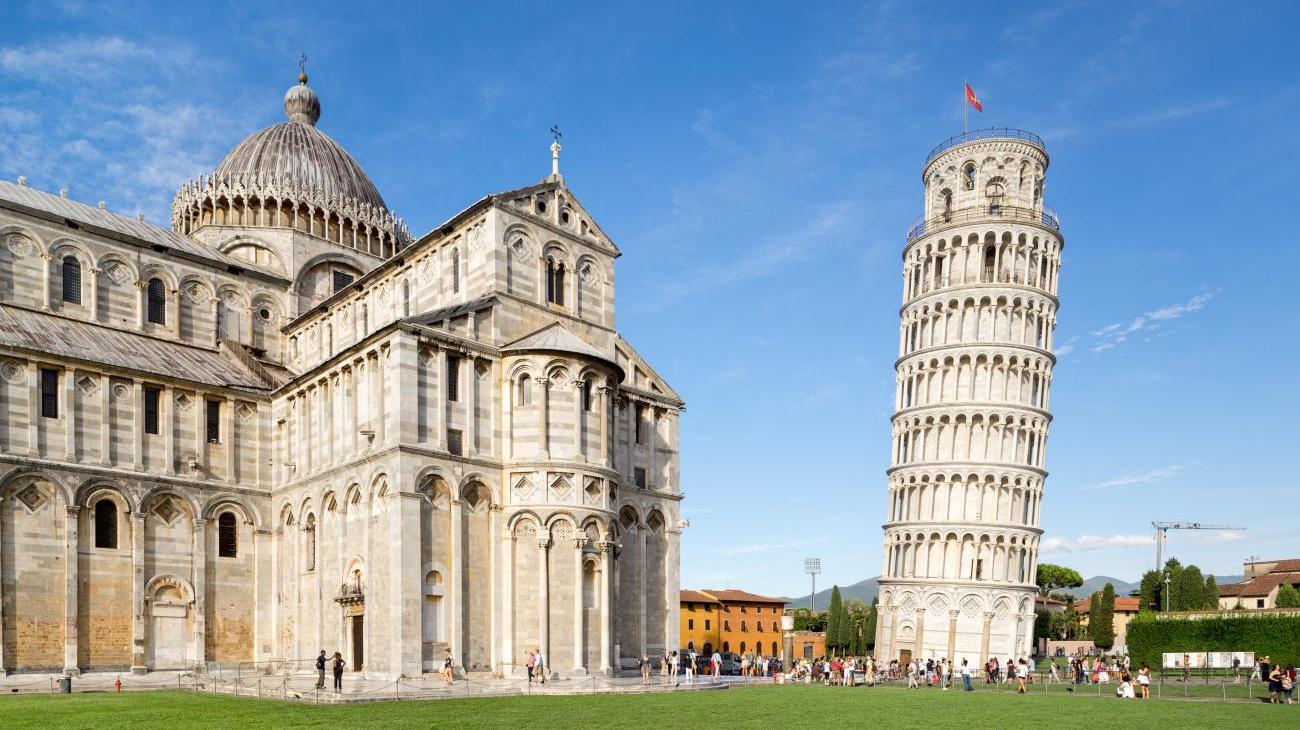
[320, 670]
[945, 673]
[1265, 667]
[1288, 683]
[1125, 689]
[540, 666]
[965, 676]
[1275, 685]
[1236, 669]
[690, 667]
[530, 663]
[912, 670]
[1054, 677]
[338, 665]
[1022, 674]
[849, 668]
[1103, 672]
[447, 667]
[1187, 667]
[673, 668]
[644, 665]
[717, 665]
[1144, 681]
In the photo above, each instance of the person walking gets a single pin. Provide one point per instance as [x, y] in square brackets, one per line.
[1144, 681]
[644, 665]
[540, 667]
[1236, 670]
[338, 665]
[1054, 677]
[717, 665]
[1288, 683]
[530, 663]
[674, 665]
[320, 670]
[1022, 674]
[447, 667]
[965, 676]
[1275, 685]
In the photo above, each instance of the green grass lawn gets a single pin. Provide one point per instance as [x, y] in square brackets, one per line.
[748, 707]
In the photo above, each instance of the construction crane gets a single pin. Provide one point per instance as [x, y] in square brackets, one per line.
[1163, 527]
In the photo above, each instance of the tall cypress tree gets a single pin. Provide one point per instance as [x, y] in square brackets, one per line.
[1103, 622]
[1188, 590]
[833, 613]
[869, 629]
[1211, 594]
[1094, 611]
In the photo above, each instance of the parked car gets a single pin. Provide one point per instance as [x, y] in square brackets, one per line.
[730, 663]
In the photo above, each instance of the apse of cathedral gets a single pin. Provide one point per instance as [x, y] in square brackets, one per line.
[286, 424]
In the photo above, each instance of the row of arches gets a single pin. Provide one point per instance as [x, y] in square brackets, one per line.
[209, 206]
[966, 556]
[971, 498]
[553, 275]
[120, 291]
[1020, 379]
[1025, 259]
[987, 319]
[968, 176]
[1004, 438]
[558, 409]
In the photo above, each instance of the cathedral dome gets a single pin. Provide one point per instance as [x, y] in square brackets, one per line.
[296, 150]
[292, 175]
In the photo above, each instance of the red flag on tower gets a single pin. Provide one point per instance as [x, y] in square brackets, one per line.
[972, 99]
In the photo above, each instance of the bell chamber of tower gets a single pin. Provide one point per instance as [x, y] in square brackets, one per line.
[971, 415]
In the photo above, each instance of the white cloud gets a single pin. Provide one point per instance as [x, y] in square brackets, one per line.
[1172, 113]
[1141, 477]
[762, 547]
[1085, 543]
[1116, 334]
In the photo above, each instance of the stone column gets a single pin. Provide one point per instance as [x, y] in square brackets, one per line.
[46, 260]
[984, 638]
[458, 566]
[651, 475]
[228, 436]
[579, 661]
[643, 555]
[200, 435]
[70, 603]
[604, 425]
[508, 603]
[606, 547]
[137, 593]
[34, 409]
[494, 573]
[892, 647]
[176, 313]
[579, 443]
[471, 405]
[216, 320]
[543, 439]
[166, 417]
[140, 303]
[200, 558]
[952, 634]
[94, 293]
[920, 632]
[544, 601]
[69, 412]
[440, 401]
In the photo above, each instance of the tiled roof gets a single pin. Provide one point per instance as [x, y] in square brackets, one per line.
[57, 208]
[69, 338]
[689, 596]
[1123, 604]
[555, 338]
[733, 595]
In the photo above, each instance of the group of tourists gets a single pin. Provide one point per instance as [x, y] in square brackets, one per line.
[334, 663]
[1281, 681]
[535, 662]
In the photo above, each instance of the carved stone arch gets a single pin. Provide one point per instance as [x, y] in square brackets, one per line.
[111, 262]
[157, 270]
[483, 481]
[655, 520]
[168, 580]
[151, 498]
[92, 489]
[354, 497]
[64, 246]
[628, 516]
[14, 231]
[938, 603]
[557, 250]
[226, 502]
[287, 518]
[524, 525]
[335, 257]
[521, 366]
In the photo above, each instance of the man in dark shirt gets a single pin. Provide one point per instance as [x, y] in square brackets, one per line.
[320, 670]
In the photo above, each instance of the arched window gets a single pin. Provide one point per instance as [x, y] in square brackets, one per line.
[554, 281]
[774, 651]
[726, 647]
[157, 301]
[990, 259]
[742, 647]
[525, 390]
[71, 280]
[455, 270]
[994, 192]
[227, 536]
[586, 395]
[968, 173]
[947, 204]
[106, 524]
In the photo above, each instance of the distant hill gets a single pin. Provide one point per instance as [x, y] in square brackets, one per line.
[866, 590]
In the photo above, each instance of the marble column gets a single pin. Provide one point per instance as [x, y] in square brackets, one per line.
[199, 556]
[952, 634]
[604, 426]
[72, 583]
[544, 601]
[46, 261]
[579, 443]
[471, 405]
[642, 570]
[543, 438]
[94, 293]
[984, 638]
[137, 592]
[456, 580]
[579, 661]
[919, 651]
[606, 547]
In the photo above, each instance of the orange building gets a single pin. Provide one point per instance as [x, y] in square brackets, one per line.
[730, 621]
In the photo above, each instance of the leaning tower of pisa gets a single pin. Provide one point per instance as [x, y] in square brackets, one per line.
[970, 421]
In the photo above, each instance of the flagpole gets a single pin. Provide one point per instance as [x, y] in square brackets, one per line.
[964, 110]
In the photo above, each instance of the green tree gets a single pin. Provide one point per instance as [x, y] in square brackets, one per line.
[1051, 577]
[1102, 623]
[833, 620]
[1288, 596]
[1094, 610]
[1043, 624]
[1211, 594]
[869, 627]
[1149, 594]
[845, 637]
[1187, 591]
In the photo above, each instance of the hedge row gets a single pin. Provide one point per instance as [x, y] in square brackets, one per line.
[1278, 636]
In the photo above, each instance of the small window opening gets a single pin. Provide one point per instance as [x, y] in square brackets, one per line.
[227, 536]
[106, 524]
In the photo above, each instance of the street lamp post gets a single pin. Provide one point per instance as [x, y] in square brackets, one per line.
[812, 566]
[1166, 591]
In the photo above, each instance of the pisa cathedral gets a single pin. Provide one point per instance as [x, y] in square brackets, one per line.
[285, 425]
[974, 377]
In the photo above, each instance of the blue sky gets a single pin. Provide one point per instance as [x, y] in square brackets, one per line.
[758, 164]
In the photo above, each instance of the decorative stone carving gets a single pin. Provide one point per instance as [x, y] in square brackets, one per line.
[12, 371]
[33, 497]
[118, 273]
[19, 245]
[87, 385]
[120, 391]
